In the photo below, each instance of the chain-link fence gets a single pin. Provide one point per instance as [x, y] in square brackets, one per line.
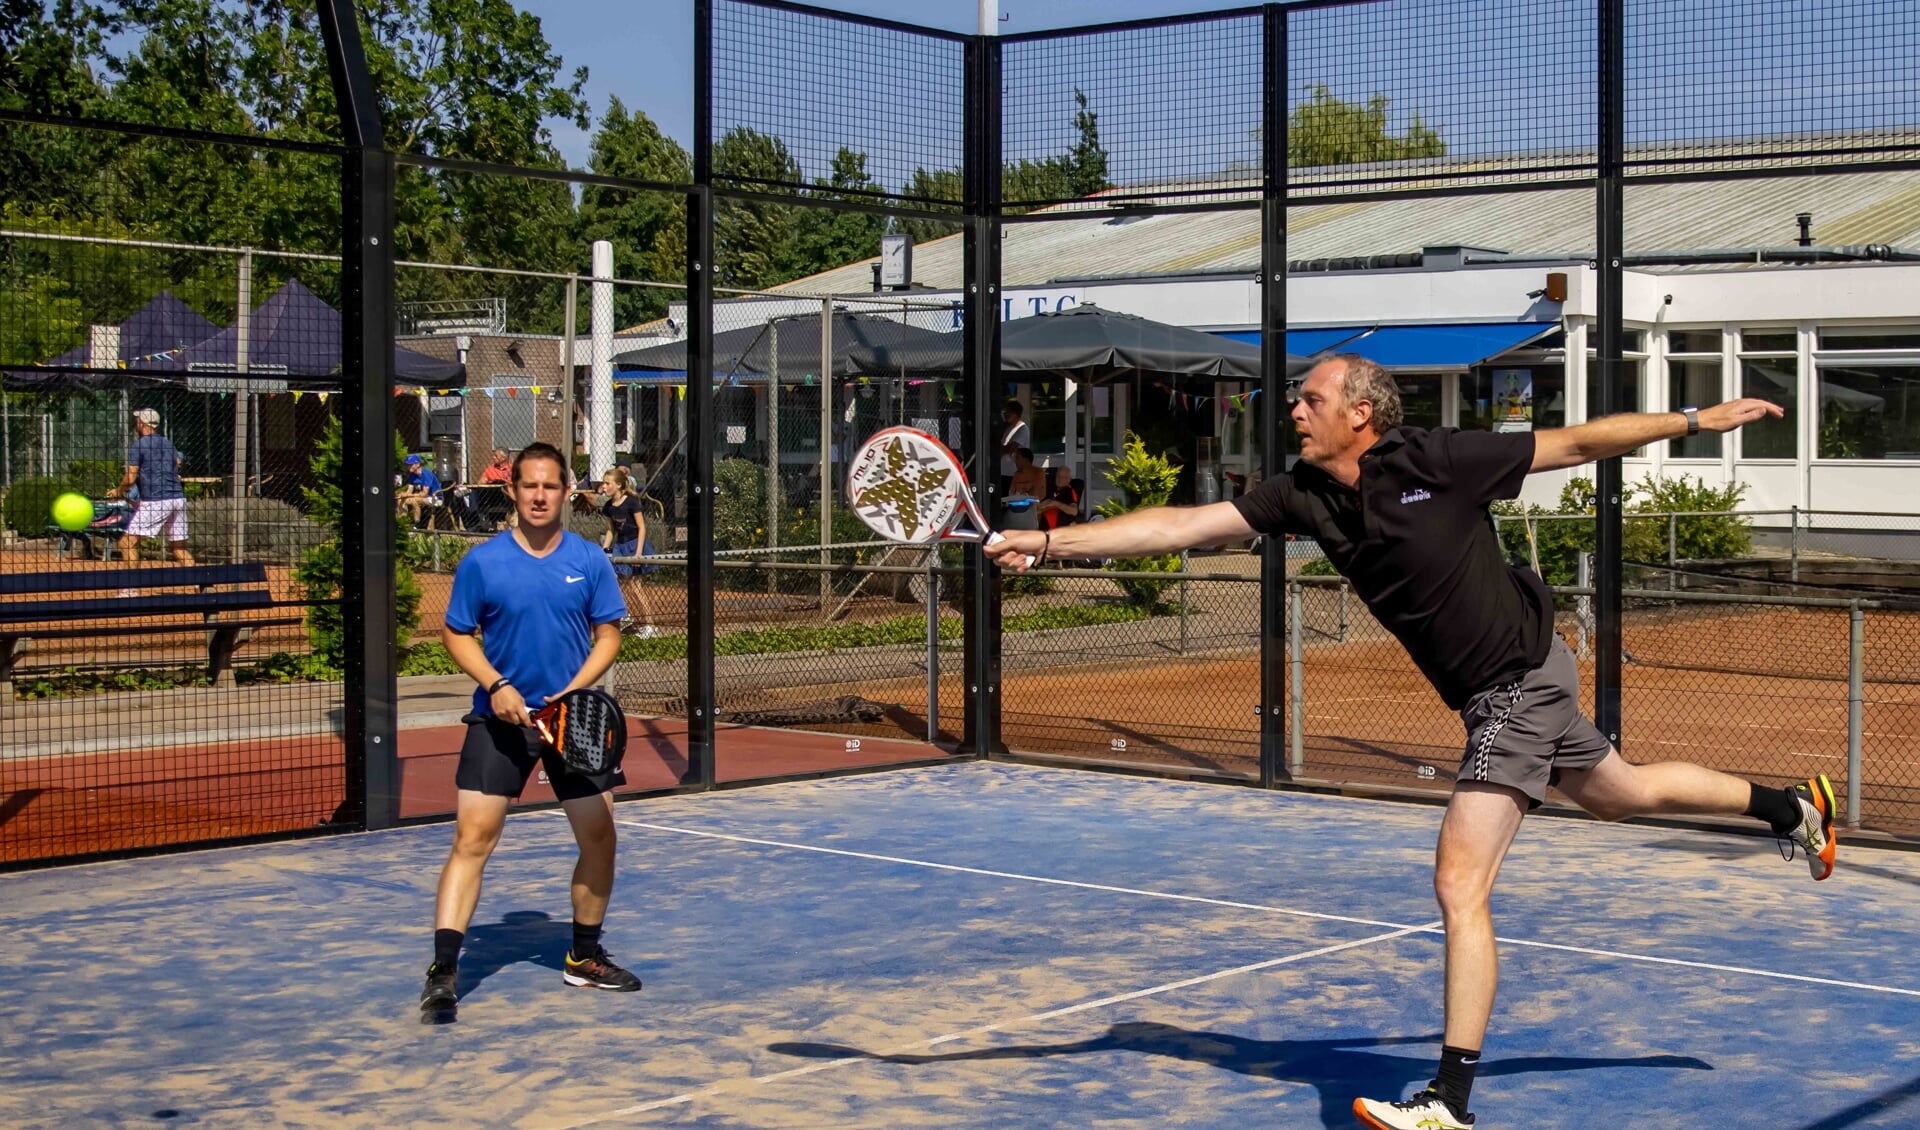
[170, 616]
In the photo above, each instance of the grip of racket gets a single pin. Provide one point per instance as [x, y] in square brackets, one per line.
[995, 537]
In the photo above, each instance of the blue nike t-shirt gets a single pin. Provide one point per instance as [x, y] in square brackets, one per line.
[535, 615]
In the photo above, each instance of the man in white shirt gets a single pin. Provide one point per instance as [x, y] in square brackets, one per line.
[1014, 437]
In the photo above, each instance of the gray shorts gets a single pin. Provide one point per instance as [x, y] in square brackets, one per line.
[1521, 735]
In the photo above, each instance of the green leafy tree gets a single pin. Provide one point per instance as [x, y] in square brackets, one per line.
[631, 145]
[1325, 130]
[322, 568]
[1529, 533]
[825, 239]
[753, 240]
[1144, 481]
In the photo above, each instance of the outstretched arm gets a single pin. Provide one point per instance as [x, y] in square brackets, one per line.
[1160, 529]
[1557, 448]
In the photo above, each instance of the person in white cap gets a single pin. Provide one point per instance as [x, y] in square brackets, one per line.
[153, 463]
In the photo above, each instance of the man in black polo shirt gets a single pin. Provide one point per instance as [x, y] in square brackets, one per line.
[1402, 513]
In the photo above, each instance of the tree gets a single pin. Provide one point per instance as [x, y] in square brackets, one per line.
[753, 240]
[1087, 164]
[322, 568]
[825, 239]
[1325, 130]
[631, 145]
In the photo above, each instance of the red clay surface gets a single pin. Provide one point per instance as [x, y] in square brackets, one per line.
[1369, 718]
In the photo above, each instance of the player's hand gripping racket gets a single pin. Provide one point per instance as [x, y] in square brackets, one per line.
[906, 486]
[586, 728]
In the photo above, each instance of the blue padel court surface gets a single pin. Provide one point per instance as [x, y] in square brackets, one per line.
[970, 945]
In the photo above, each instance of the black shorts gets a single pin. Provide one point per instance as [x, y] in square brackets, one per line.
[498, 759]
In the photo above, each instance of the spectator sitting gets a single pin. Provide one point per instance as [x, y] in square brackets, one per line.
[420, 490]
[1061, 507]
[1028, 480]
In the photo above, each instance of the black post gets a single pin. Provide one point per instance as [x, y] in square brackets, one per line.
[701, 694]
[370, 721]
[1607, 369]
[980, 433]
[1273, 360]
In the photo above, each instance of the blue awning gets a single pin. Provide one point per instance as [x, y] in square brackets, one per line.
[1457, 346]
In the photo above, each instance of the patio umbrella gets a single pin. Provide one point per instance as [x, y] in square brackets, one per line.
[1091, 345]
[749, 351]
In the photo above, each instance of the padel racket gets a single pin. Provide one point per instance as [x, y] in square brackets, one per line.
[906, 486]
[586, 728]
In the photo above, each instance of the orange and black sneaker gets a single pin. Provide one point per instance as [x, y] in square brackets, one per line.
[599, 972]
[440, 997]
[1814, 833]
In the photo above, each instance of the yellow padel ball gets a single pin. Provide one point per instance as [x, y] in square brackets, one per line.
[73, 512]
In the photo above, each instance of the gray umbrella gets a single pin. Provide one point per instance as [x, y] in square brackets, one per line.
[1091, 345]
[749, 351]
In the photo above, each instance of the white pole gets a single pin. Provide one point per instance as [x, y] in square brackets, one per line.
[600, 382]
[242, 403]
[989, 17]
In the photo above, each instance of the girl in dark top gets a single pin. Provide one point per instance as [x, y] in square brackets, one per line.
[626, 532]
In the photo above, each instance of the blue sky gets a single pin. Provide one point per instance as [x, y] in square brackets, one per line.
[1492, 76]
[642, 50]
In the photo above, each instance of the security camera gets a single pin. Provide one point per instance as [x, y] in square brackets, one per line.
[1668, 300]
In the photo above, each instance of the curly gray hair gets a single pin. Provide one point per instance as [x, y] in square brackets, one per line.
[1366, 380]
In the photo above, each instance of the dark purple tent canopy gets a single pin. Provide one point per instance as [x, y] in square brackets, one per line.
[293, 336]
[162, 326]
[297, 334]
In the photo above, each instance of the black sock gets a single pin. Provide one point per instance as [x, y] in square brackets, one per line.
[446, 947]
[1455, 1083]
[1775, 806]
[586, 940]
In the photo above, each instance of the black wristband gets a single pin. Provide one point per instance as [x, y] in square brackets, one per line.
[502, 681]
[1046, 546]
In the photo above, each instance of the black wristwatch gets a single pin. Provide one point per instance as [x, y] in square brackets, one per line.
[1693, 420]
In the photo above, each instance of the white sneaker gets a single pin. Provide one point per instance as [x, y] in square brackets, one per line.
[1424, 1111]
[647, 632]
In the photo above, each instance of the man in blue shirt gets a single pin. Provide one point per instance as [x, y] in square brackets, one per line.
[421, 490]
[535, 613]
[153, 465]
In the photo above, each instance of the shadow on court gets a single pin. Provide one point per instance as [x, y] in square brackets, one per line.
[532, 936]
[1745, 846]
[1867, 1108]
[1338, 1069]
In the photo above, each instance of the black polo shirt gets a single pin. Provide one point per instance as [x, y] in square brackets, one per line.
[1416, 543]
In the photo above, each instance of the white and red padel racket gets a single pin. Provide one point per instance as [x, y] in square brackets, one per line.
[907, 487]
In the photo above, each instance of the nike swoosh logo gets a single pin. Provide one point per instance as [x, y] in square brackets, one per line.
[570, 580]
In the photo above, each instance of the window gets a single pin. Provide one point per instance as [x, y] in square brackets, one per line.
[1047, 417]
[1693, 380]
[1869, 407]
[1770, 370]
[1544, 386]
[1633, 365]
[1419, 398]
[513, 418]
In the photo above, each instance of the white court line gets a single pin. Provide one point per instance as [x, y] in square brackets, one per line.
[1051, 1014]
[1617, 955]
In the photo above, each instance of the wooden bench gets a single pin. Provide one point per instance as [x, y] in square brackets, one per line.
[228, 615]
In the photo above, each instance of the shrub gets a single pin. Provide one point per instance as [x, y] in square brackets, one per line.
[321, 568]
[1318, 567]
[29, 504]
[274, 531]
[1559, 542]
[95, 477]
[739, 504]
[1143, 481]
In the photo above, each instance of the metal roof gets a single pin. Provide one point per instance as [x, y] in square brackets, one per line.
[1854, 208]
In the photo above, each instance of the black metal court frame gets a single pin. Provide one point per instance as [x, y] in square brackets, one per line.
[1611, 87]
